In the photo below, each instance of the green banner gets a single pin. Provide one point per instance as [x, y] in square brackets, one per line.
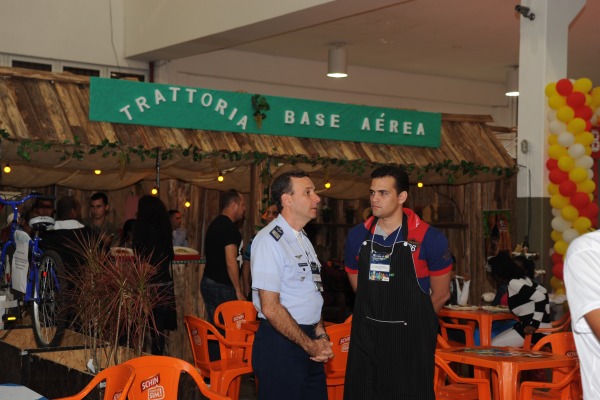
[173, 106]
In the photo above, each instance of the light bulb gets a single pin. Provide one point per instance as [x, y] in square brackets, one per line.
[221, 178]
[327, 185]
[420, 184]
[154, 191]
[7, 168]
[187, 204]
[97, 171]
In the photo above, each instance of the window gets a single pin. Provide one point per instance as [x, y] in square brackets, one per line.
[31, 65]
[126, 75]
[82, 71]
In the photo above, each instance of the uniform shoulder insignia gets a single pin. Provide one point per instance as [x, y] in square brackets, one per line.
[276, 232]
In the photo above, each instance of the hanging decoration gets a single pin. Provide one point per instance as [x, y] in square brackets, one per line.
[573, 111]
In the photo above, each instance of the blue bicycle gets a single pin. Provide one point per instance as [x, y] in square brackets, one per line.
[33, 276]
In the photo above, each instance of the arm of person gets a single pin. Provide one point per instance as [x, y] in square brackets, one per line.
[593, 320]
[246, 281]
[231, 253]
[440, 290]
[353, 279]
[279, 317]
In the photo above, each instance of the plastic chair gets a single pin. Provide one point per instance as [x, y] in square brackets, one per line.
[335, 368]
[224, 374]
[562, 389]
[157, 377]
[561, 325]
[118, 381]
[233, 313]
[458, 387]
[467, 329]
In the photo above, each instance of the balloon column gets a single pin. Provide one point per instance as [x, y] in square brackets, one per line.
[573, 106]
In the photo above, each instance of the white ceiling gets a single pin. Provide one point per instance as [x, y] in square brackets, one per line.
[471, 39]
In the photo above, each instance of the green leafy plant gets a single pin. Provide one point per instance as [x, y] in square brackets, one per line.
[260, 105]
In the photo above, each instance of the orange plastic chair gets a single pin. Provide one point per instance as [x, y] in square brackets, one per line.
[118, 381]
[458, 391]
[467, 329]
[224, 374]
[448, 385]
[233, 313]
[157, 377]
[335, 368]
[562, 389]
[561, 325]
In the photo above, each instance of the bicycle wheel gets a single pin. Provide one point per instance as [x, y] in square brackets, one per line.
[47, 309]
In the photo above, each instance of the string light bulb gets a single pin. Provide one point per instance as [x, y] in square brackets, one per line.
[327, 185]
[97, 171]
[154, 191]
[220, 178]
[187, 204]
[7, 168]
[420, 184]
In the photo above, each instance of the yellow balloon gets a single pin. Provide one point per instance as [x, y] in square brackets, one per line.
[555, 236]
[588, 100]
[550, 89]
[558, 201]
[566, 163]
[569, 213]
[565, 114]
[561, 247]
[585, 138]
[582, 224]
[576, 125]
[552, 188]
[556, 282]
[556, 151]
[588, 186]
[578, 175]
[560, 290]
[552, 139]
[583, 85]
[556, 102]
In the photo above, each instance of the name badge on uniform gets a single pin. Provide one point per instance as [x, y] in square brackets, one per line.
[379, 269]
[316, 273]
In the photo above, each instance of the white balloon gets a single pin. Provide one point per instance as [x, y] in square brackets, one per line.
[557, 126]
[585, 162]
[570, 234]
[590, 175]
[560, 224]
[551, 117]
[577, 150]
[555, 212]
[566, 139]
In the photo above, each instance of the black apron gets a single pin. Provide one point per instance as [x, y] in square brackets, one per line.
[394, 330]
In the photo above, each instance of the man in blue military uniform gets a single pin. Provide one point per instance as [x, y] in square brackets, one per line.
[291, 345]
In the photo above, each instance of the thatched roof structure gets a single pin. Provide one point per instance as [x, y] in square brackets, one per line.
[52, 141]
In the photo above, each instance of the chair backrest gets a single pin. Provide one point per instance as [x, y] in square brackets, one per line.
[339, 335]
[157, 377]
[466, 329]
[119, 379]
[561, 343]
[233, 313]
[199, 331]
[443, 374]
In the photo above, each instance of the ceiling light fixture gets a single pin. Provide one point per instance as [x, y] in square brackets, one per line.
[512, 81]
[337, 67]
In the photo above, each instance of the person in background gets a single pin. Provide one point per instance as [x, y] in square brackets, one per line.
[459, 295]
[526, 299]
[223, 243]
[126, 239]
[290, 345]
[98, 221]
[152, 240]
[44, 207]
[400, 268]
[179, 234]
[269, 215]
[582, 280]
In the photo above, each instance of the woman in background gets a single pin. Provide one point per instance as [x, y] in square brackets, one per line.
[152, 241]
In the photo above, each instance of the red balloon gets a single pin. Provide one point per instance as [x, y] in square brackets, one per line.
[576, 100]
[557, 176]
[588, 126]
[584, 113]
[551, 164]
[557, 270]
[567, 188]
[579, 200]
[556, 258]
[590, 211]
[564, 87]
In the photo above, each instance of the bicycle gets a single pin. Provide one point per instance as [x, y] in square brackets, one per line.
[33, 276]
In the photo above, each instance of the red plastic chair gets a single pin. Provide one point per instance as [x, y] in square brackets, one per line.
[467, 329]
[448, 385]
[118, 381]
[335, 368]
[224, 374]
[157, 377]
[561, 390]
[561, 325]
[233, 314]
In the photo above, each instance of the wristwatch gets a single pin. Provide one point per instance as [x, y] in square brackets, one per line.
[323, 336]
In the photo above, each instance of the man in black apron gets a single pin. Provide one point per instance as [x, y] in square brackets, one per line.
[400, 268]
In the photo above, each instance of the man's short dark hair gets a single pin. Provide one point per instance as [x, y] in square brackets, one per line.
[173, 212]
[39, 202]
[64, 206]
[228, 197]
[100, 196]
[283, 184]
[398, 173]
